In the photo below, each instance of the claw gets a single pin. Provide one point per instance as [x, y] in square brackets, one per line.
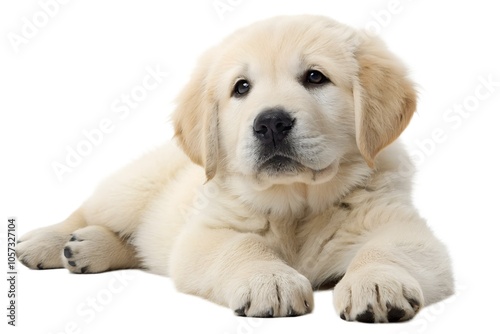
[367, 316]
[268, 314]
[67, 252]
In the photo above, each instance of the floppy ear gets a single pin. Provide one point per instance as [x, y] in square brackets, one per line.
[196, 120]
[384, 98]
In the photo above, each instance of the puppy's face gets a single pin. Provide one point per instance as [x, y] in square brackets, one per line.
[286, 99]
[285, 104]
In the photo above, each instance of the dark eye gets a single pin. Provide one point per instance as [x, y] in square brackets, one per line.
[315, 77]
[241, 88]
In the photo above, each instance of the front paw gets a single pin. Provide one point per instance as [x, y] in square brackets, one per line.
[272, 292]
[378, 293]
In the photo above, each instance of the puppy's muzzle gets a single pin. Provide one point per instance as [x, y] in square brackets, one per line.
[272, 126]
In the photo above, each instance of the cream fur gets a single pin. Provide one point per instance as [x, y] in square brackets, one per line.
[260, 242]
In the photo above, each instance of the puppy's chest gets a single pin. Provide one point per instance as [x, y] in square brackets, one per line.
[292, 237]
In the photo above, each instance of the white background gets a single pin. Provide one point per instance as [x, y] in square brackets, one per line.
[65, 79]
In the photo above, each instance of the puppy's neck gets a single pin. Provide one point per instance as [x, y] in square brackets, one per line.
[295, 201]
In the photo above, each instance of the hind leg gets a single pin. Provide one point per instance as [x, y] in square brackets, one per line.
[41, 248]
[115, 211]
[95, 249]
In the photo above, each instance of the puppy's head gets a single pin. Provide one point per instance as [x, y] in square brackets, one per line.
[284, 100]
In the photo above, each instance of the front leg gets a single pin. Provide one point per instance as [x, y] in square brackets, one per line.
[237, 270]
[399, 270]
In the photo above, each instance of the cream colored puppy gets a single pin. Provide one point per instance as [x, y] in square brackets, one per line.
[284, 178]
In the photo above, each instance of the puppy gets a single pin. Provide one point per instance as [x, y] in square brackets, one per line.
[284, 177]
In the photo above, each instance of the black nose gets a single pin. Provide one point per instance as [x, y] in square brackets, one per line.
[272, 126]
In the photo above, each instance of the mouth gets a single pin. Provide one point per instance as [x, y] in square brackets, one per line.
[281, 165]
[280, 169]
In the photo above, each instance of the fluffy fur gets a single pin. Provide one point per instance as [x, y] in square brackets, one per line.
[230, 224]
